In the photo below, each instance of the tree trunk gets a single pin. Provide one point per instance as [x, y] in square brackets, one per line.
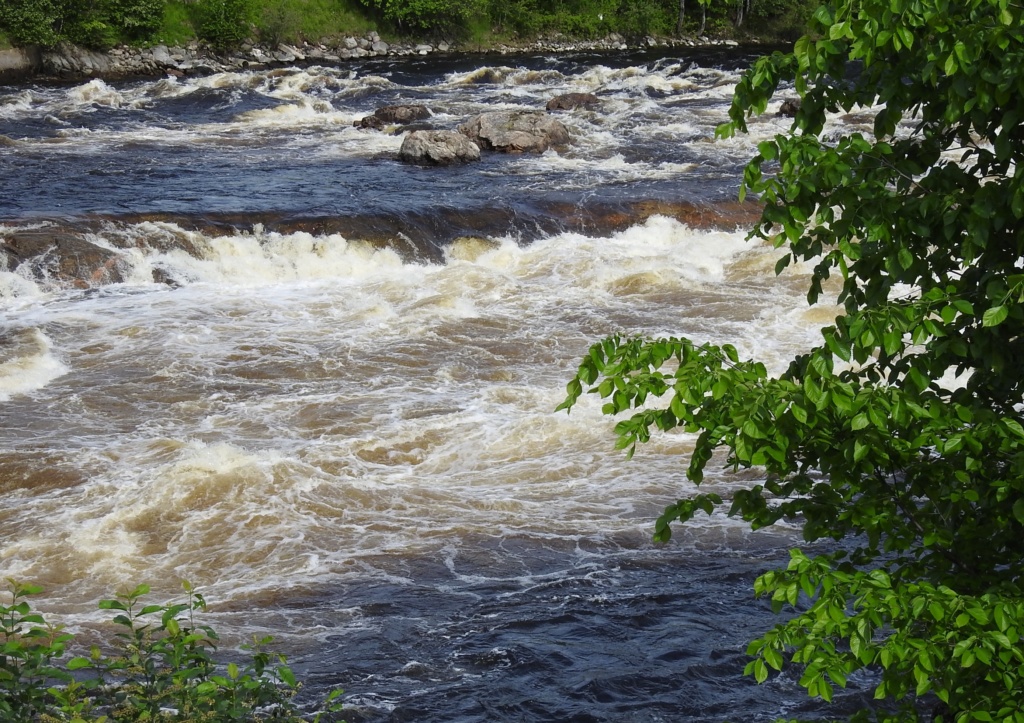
[682, 17]
[703, 19]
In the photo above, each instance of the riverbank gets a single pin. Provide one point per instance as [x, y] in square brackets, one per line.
[69, 62]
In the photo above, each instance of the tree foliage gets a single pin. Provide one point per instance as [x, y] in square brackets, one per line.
[864, 439]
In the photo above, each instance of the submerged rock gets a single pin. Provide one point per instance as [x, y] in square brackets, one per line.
[438, 148]
[394, 114]
[572, 101]
[515, 131]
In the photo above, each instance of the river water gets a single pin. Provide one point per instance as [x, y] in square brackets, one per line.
[335, 414]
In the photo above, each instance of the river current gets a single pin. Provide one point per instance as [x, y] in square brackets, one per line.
[335, 415]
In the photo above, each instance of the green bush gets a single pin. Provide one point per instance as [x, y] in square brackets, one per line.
[646, 17]
[449, 18]
[224, 23]
[31, 22]
[92, 33]
[138, 19]
[162, 668]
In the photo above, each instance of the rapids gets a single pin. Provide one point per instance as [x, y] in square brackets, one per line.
[335, 417]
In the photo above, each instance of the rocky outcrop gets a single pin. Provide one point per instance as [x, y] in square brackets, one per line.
[438, 148]
[62, 257]
[71, 60]
[516, 131]
[18, 63]
[394, 115]
[572, 101]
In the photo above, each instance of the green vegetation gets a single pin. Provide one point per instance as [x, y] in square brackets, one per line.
[227, 23]
[864, 440]
[161, 669]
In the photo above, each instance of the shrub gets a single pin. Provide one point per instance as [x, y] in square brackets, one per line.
[224, 23]
[162, 668]
[137, 19]
[31, 22]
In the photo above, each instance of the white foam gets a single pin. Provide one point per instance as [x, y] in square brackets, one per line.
[28, 364]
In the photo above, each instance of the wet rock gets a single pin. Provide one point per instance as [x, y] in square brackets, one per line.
[438, 148]
[790, 107]
[393, 114]
[572, 101]
[515, 131]
[62, 257]
[7, 142]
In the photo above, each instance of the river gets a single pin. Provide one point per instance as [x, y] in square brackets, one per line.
[335, 415]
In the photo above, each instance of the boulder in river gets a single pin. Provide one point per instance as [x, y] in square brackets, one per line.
[394, 114]
[62, 257]
[572, 101]
[789, 107]
[515, 131]
[438, 148]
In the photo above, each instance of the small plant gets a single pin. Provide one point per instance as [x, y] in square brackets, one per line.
[162, 669]
[28, 648]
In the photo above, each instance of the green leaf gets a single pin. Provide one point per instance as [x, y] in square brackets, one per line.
[995, 316]
[287, 676]
[1018, 510]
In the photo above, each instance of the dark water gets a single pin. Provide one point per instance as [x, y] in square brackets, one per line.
[356, 452]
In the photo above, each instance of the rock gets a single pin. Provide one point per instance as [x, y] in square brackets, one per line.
[379, 47]
[67, 59]
[423, 49]
[515, 131]
[418, 126]
[789, 107]
[438, 148]
[292, 51]
[443, 47]
[351, 43]
[62, 257]
[390, 114]
[572, 101]
[7, 141]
